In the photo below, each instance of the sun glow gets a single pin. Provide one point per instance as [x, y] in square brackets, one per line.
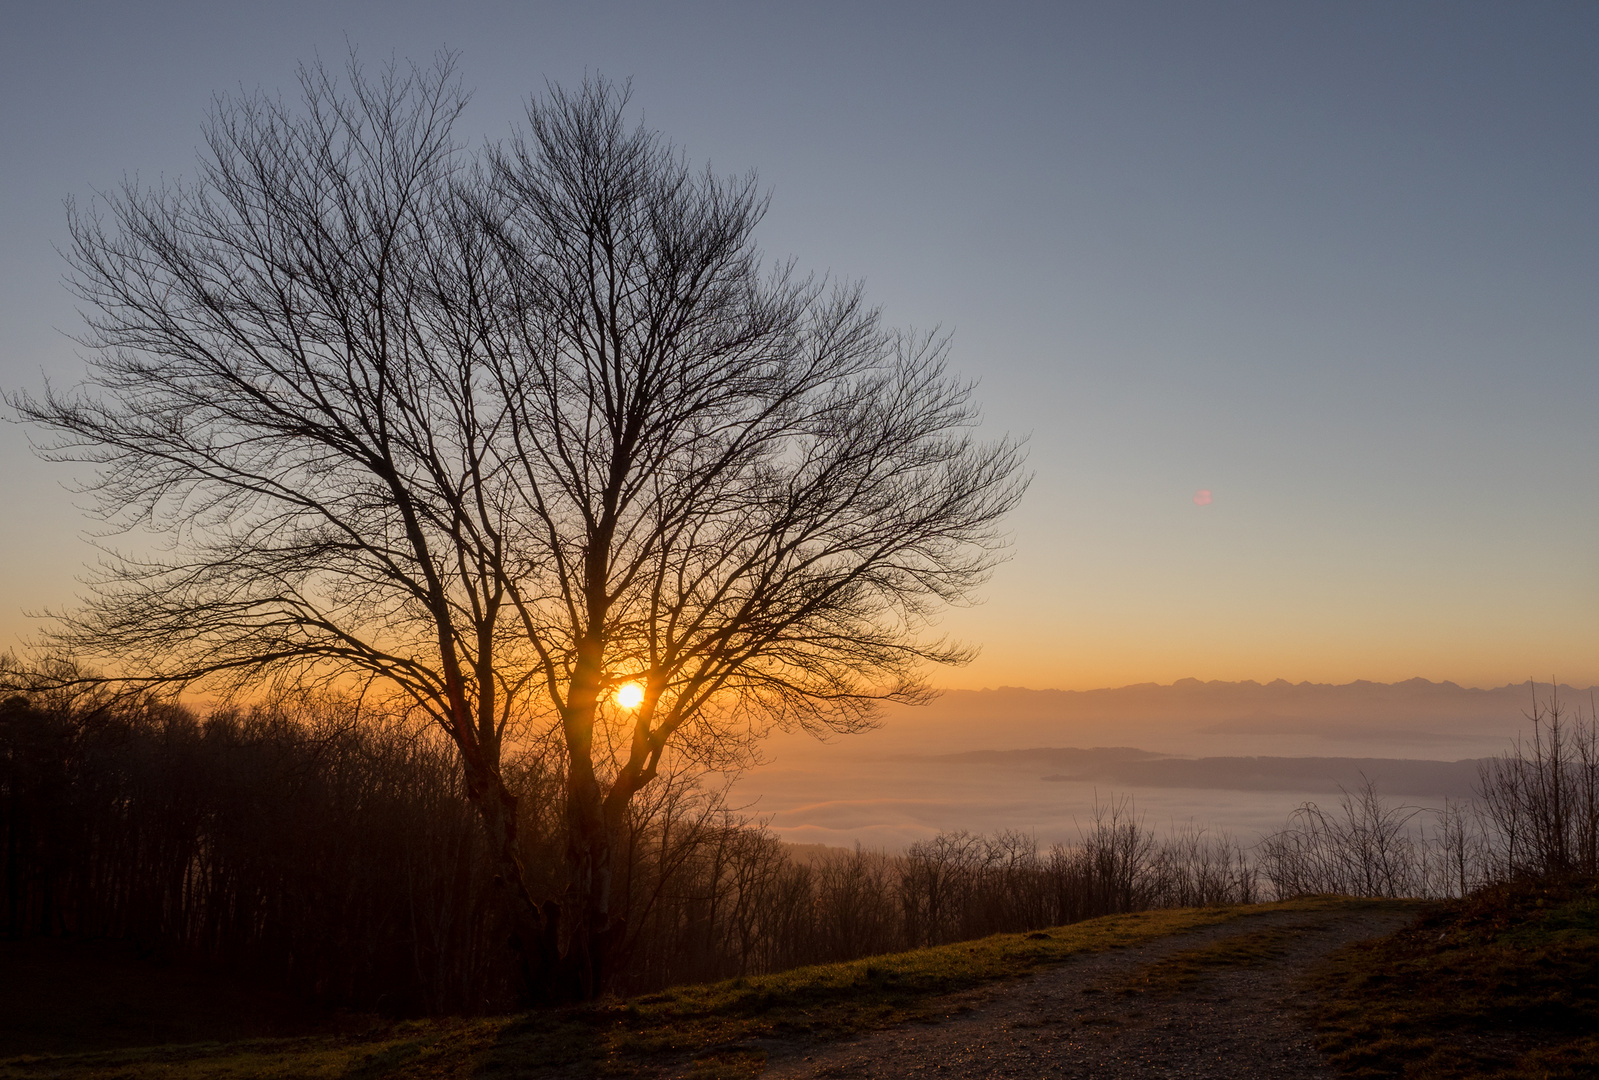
[629, 695]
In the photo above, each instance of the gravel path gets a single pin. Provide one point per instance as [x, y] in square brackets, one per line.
[1102, 1016]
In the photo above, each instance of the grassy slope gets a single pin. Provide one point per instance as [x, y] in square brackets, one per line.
[717, 1027]
[1504, 984]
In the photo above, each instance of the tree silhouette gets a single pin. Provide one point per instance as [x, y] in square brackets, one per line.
[501, 431]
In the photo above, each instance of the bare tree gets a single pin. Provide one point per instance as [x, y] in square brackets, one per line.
[503, 431]
[1539, 801]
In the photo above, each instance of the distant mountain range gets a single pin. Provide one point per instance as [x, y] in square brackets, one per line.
[1418, 717]
[1252, 707]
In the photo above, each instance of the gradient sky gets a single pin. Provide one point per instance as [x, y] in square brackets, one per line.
[1337, 264]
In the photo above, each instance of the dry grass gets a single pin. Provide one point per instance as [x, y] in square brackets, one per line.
[716, 1029]
[1504, 984]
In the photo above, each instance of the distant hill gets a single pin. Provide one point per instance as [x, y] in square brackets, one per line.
[1124, 767]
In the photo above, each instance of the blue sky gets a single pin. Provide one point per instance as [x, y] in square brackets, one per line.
[1335, 263]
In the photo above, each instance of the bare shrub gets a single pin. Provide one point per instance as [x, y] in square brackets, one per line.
[1540, 800]
[1458, 851]
[1196, 866]
[1365, 848]
[855, 905]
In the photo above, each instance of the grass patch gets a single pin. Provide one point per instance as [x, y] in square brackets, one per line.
[733, 1064]
[715, 1030]
[1504, 984]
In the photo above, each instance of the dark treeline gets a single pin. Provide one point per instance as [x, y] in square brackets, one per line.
[339, 861]
[335, 855]
[319, 848]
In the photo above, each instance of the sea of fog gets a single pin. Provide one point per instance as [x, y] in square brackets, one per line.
[928, 771]
[889, 804]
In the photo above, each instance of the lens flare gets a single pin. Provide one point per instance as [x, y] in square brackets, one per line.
[630, 695]
[1202, 497]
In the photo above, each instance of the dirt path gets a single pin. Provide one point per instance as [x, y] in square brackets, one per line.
[1224, 1001]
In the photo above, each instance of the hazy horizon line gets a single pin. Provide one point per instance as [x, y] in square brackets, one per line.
[1189, 681]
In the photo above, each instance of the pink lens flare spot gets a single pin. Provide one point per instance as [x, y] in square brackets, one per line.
[1202, 497]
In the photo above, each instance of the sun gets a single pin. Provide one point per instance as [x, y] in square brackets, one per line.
[629, 695]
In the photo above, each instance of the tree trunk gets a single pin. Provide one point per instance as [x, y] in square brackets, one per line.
[590, 921]
[534, 927]
[594, 925]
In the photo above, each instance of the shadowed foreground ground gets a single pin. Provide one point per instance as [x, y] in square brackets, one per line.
[1194, 992]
